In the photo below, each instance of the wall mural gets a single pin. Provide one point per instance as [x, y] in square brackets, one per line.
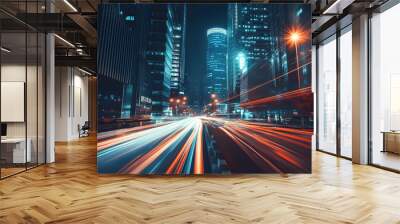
[204, 89]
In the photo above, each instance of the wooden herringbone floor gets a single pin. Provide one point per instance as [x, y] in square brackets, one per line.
[70, 191]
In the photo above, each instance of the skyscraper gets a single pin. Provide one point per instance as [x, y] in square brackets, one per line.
[159, 56]
[264, 58]
[254, 36]
[119, 67]
[233, 66]
[152, 51]
[178, 52]
[217, 63]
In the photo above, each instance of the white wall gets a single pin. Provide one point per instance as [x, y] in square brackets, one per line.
[61, 104]
[71, 102]
[14, 73]
[33, 127]
[81, 97]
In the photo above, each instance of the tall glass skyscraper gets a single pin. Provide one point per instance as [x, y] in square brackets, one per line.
[217, 81]
[178, 53]
[159, 56]
[256, 36]
[121, 78]
[259, 53]
[148, 61]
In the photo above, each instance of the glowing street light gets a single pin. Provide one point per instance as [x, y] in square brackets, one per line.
[295, 37]
[184, 98]
[178, 100]
[171, 100]
[213, 95]
[215, 101]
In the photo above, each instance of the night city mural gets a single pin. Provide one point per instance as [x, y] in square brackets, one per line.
[204, 89]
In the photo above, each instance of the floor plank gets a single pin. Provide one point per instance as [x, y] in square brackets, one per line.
[70, 191]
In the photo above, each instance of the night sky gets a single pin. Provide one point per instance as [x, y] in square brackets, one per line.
[200, 17]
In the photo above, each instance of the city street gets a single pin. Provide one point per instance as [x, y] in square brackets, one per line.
[224, 90]
[198, 145]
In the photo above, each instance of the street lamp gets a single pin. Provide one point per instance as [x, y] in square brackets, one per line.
[295, 37]
[213, 95]
[171, 101]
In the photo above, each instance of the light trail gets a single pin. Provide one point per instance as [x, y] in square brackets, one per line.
[290, 130]
[294, 139]
[265, 83]
[279, 149]
[250, 151]
[284, 96]
[114, 158]
[198, 159]
[266, 141]
[121, 136]
[140, 164]
[177, 165]
[129, 145]
[179, 147]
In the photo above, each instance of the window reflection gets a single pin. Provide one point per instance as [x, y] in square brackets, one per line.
[22, 91]
[327, 96]
[385, 84]
[346, 94]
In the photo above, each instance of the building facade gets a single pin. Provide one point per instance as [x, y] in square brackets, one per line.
[217, 81]
[165, 54]
[118, 70]
[151, 53]
[178, 53]
[274, 76]
[159, 56]
[255, 37]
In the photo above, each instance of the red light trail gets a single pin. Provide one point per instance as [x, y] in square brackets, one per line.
[284, 96]
[265, 83]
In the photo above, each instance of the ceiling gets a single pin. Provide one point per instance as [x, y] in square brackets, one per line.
[74, 21]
